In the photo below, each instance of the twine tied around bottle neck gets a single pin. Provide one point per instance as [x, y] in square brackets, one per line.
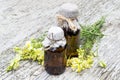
[68, 20]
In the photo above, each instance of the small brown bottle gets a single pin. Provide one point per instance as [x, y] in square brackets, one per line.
[67, 20]
[73, 43]
[54, 57]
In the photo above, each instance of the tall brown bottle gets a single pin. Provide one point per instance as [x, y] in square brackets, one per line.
[67, 20]
[54, 57]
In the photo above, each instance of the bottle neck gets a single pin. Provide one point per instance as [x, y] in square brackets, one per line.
[69, 32]
[57, 49]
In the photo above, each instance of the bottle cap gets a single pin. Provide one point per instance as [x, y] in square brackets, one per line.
[69, 10]
[54, 38]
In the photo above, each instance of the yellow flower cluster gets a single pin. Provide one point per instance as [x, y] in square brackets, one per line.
[32, 50]
[81, 62]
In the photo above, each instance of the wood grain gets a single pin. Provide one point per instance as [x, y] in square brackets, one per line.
[22, 19]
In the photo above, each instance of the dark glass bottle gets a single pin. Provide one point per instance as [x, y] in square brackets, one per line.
[72, 38]
[55, 60]
[54, 46]
[73, 42]
[67, 19]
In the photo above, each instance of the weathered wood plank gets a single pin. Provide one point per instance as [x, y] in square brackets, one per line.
[22, 19]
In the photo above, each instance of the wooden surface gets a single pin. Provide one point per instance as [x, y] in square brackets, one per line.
[22, 19]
